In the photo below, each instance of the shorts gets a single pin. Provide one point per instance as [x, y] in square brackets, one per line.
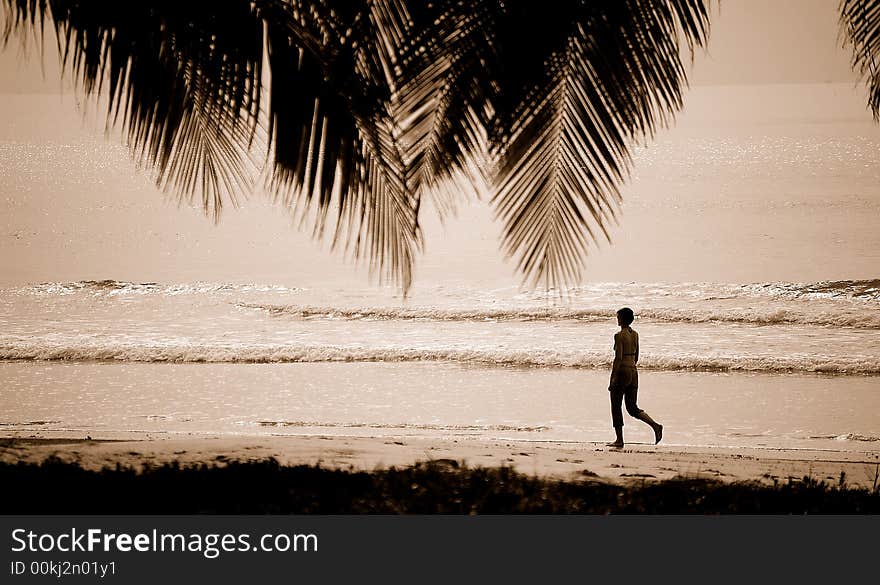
[624, 378]
[624, 387]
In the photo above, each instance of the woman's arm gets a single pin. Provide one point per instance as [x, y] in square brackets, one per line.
[618, 350]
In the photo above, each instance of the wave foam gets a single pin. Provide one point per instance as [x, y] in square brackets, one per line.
[847, 303]
[856, 289]
[116, 287]
[212, 353]
[857, 437]
[848, 437]
[31, 423]
[855, 319]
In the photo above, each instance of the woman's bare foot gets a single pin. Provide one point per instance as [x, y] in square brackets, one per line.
[618, 444]
[658, 433]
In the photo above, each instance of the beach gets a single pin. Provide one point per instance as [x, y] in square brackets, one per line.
[635, 463]
[319, 291]
[747, 249]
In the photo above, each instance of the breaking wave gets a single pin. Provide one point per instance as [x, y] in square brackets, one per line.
[845, 303]
[854, 289]
[849, 437]
[860, 319]
[30, 423]
[117, 288]
[268, 353]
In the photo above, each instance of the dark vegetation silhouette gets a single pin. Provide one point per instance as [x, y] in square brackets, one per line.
[355, 112]
[444, 487]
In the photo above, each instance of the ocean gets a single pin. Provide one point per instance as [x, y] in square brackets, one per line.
[748, 246]
[770, 365]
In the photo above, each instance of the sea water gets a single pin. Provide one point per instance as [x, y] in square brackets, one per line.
[753, 365]
[748, 245]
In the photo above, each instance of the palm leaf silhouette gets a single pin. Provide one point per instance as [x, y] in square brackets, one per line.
[333, 128]
[181, 81]
[594, 76]
[860, 20]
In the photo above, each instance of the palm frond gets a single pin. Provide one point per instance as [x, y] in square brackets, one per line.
[860, 20]
[441, 104]
[333, 129]
[182, 79]
[185, 82]
[594, 77]
[23, 15]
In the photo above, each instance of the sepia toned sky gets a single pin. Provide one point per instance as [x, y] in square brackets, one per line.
[774, 41]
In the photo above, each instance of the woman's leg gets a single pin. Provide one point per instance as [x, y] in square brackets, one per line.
[631, 396]
[616, 395]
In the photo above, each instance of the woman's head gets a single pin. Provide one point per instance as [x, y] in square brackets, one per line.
[625, 316]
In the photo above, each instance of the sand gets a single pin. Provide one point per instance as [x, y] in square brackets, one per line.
[570, 461]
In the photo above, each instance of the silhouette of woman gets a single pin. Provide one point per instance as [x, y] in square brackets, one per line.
[624, 386]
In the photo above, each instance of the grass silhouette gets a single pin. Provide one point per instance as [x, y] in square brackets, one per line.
[266, 487]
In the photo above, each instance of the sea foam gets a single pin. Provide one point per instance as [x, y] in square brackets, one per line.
[857, 318]
[288, 353]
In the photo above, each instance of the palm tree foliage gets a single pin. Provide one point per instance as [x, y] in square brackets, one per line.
[861, 22]
[375, 104]
[366, 107]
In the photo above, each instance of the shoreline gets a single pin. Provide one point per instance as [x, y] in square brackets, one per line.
[635, 463]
